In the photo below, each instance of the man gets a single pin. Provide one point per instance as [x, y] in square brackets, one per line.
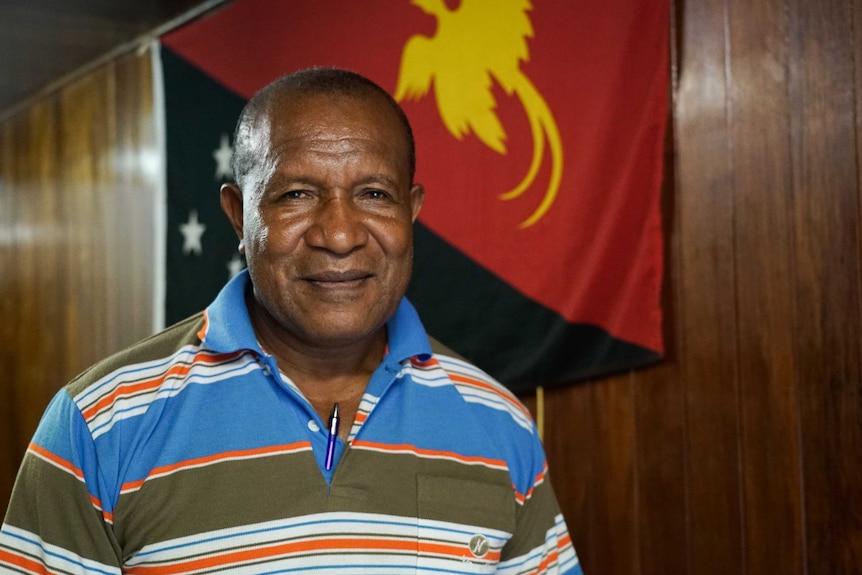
[302, 423]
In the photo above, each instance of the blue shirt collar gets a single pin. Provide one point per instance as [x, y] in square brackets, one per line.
[229, 328]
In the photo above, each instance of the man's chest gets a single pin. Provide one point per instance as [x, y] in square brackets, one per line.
[277, 513]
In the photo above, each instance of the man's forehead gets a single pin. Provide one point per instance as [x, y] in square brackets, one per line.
[330, 143]
[333, 124]
[290, 105]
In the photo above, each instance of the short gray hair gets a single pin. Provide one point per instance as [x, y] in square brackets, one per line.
[308, 82]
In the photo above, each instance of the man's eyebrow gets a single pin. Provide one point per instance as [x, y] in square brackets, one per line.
[377, 179]
[281, 180]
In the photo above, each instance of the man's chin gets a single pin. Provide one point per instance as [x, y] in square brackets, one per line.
[328, 324]
[338, 332]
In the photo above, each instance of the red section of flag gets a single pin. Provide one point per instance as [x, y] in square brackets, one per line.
[596, 255]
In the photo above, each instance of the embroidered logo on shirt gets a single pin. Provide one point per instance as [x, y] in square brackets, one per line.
[478, 546]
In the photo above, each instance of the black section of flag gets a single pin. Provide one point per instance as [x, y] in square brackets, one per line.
[199, 114]
[520, 342]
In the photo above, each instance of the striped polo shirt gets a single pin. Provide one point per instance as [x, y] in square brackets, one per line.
[190, 453]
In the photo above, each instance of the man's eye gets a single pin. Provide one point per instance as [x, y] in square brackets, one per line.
[295, 194]
[375, 194]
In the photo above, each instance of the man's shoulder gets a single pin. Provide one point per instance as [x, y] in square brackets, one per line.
[476, 388]
[153, 348]
[462, 370]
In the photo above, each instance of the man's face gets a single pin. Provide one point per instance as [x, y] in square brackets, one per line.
[327, 218]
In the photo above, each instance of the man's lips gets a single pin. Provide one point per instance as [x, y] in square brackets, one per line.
[337, 278]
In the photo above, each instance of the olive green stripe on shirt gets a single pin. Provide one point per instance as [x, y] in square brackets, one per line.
[434, 489]
[537, 517]
[223, 495]
[220, 495]
[61, 496]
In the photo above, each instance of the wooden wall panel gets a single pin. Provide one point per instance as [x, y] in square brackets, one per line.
[708, 342]
[740, 453]
[590, 436]
[83, 132]
[76, 228]
[138, 166]
[826, 244]
[9, 290]
[660, 416]
[37, 260]
[759, 141]
[568, 432]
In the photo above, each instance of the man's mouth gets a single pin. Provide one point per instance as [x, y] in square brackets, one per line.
[335, 279]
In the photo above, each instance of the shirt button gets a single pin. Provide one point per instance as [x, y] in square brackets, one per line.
[312, 426]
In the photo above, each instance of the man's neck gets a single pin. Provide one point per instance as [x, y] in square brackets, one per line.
[333, 378]
[336, 372]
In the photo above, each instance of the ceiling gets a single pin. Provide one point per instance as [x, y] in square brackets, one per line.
[45, 42]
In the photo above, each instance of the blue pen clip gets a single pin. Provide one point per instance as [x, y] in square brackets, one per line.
[334, 420]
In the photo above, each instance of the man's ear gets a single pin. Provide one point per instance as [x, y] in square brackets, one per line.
[417, 198]
[231, 204]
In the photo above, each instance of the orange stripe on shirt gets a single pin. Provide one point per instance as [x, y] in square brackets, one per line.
[471, 381]
[401, 447]
[538, 479]
[549, 559]
[56, 460]
[130, 486]
[216, 457]
[24, 563]
[285, 550]
[150, 384]
[106, 515]
[553, 556]
[520, 498]
[486, 386]
[202, 332]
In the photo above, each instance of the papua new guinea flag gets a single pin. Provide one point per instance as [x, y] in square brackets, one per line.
[539, 128]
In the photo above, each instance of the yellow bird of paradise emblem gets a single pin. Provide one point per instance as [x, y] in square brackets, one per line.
[476, 43]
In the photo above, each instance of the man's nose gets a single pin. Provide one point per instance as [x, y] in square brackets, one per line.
[338, 226]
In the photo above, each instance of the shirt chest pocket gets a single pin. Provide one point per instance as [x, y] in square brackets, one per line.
[463, 524]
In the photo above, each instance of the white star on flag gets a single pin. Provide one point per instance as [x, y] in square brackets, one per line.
[222, 156]
[192, 232]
